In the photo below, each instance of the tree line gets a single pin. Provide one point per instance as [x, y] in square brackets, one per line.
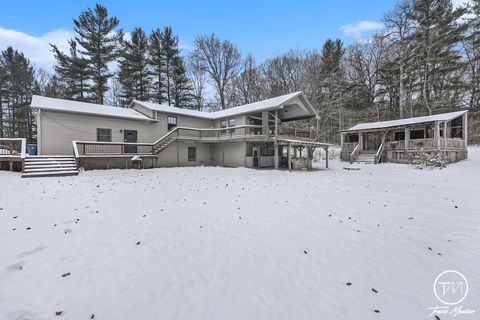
[424, 61]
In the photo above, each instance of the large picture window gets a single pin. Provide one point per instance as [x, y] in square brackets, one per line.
[171, 122]
[192, 153]
[104, 135]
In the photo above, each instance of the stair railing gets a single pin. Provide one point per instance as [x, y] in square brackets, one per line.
[378, 155]
[354, 153]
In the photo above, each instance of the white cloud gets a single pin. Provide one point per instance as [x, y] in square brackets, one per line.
[36, 48]
[356, 30]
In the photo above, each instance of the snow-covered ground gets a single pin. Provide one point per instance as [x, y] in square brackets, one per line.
[220, 243]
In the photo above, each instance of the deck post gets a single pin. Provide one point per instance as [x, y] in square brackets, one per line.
[465, 129]
[289, 157]
[436, 135]
[342, 138]
[407, 139]
[360, 140]
[326, 157]
[445, 134]
[276, 123]
[275, 153]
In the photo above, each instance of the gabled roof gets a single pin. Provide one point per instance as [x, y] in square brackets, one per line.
[408, 121]
[264, 105]
[68, 106]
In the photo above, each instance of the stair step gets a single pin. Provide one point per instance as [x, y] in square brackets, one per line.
[50, 165]
[50, 174]
[48, 159]
[50, 169]
[39, 163]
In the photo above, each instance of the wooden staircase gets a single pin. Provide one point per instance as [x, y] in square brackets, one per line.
[365, 157]
[49, 166]
[162, 144]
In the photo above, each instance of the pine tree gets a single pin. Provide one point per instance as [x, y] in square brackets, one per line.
[134, 75]
[170, 52]
[74, 72]
[181, 94]
[171, 84]
[472, 52]
[158, 65]
[17, 93]
[97, 35]
[438, 60]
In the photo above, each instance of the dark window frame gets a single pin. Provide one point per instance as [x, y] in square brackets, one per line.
[189, 154]
[171, 124]
[105, 136]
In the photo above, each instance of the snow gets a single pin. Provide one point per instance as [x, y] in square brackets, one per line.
[408, 121]
[224, 243]
[247, 108]
[63, 105]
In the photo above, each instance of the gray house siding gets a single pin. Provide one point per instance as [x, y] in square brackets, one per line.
[58, 130]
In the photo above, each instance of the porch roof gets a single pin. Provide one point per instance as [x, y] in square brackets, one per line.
[294, 106]
[405, 122]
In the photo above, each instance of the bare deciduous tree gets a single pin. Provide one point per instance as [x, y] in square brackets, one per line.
[222, 59]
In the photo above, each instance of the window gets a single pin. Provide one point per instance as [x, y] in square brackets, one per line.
[104, 135]
[353, 137]
[192, 153]
[399, 136]
[223, 124]
[417, 134]
[231, 122]
[171, 122]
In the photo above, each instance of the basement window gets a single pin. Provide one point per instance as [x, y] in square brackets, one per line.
[104, 135]
[192, 153]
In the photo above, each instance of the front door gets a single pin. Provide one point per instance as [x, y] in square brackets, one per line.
[130, 136]
[372, 141]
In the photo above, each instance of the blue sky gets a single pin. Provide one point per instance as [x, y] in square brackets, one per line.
[263, 28]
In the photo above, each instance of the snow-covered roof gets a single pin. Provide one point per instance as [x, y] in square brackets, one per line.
[408, 121]
[259, 106]
[69, 106]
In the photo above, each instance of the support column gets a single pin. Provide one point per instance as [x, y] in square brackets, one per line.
[275, 154]
[360, 140]
[407, 139]
[326, 157]
[465, 129]
[342, 138]
[445, 129]
[436, 135]
[276, 123]
[289, 157]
